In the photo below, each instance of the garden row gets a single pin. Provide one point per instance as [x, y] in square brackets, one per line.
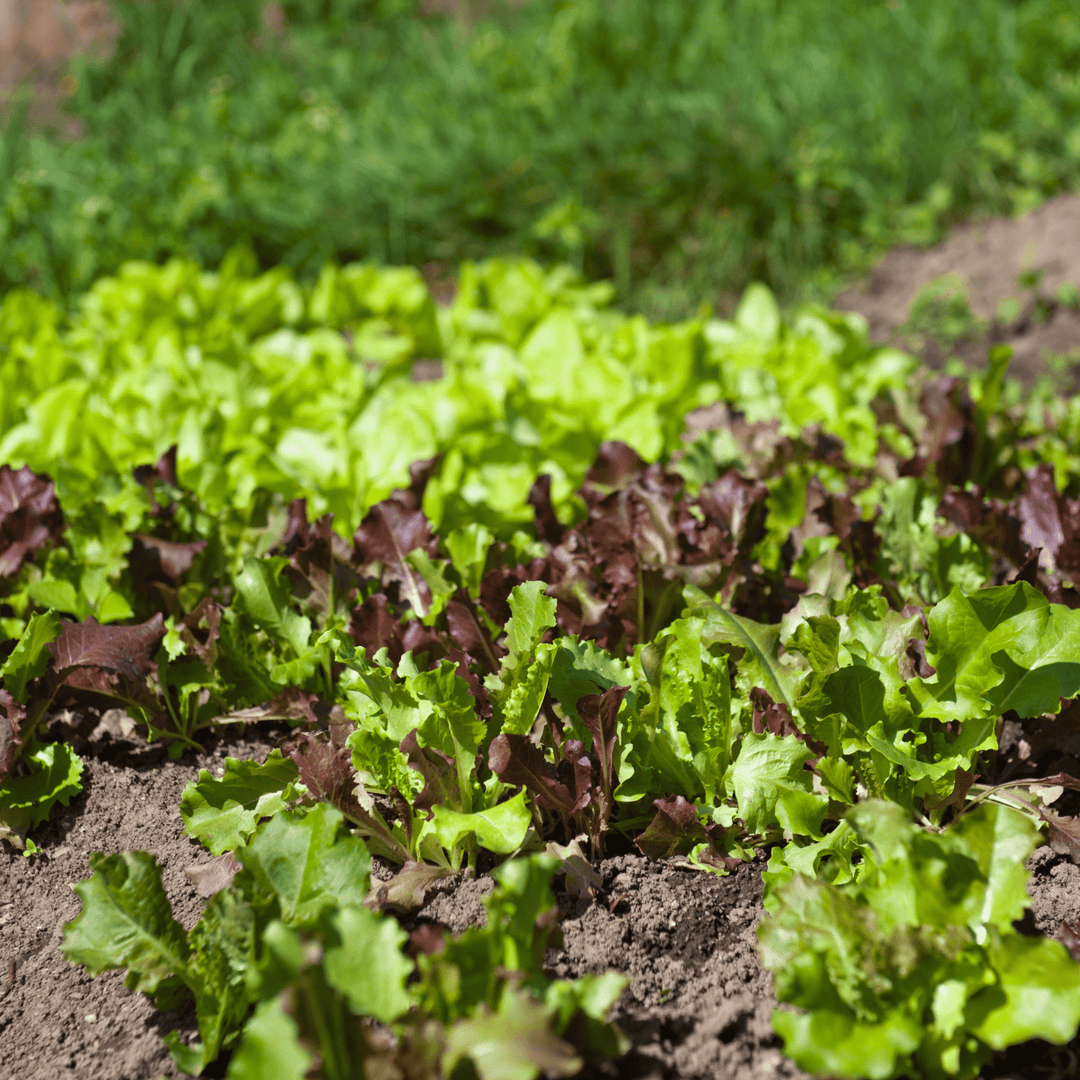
[532, 580]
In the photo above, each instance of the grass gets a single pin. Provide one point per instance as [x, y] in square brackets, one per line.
[681, 149]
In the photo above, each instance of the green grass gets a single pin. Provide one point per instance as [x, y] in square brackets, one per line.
[681, 149]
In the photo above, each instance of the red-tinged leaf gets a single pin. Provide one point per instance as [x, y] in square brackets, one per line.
[1039, 512]
[199, 630]
[213, 876]
[776, 719]
[116, 685]
[407, 889]
[835, 511]
[313, 571]
[577, 773]
[30, 516]
[958, 796]
[1063, 780]
[737, 506]
[674, 830]
[151, 559]
[420, 472]
[164, 472]
[325, 770]
[476, 687]
[468, 633]
[1069, 936]
[599, 712]
[616, 465]
[373, 626]
[515, 759]
[1064, 833]
[388, 532]
[425, 940]
[948, 440]
[1029, 571]
[124, 649]
[294, 706]
[914, 663]
[547, 524]
[992, 523]
[12, 718]
[437, 769]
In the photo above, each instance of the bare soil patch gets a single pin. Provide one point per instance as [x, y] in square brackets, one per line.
[989, 256]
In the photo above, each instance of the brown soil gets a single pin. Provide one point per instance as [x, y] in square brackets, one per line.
[55, 1021]
[697, 1008]
[988, 256]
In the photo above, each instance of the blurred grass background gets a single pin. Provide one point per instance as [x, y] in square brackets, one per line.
[681, 148]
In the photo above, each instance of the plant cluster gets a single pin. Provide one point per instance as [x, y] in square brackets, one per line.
[710, 589]
[682, 151]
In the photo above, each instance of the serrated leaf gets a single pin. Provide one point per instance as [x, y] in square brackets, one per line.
[760, 664]
[223, 813]
[308, 863]
[773, 789]
[451, 723]
[500, 829]
[368, 966]
[126, 922]
[126, 650]
[516, 1043]
[55, 776]
[270, 1047]
[1040, 639]
[532, 613]
[30, 657]
[222, 948]
[1037, 997]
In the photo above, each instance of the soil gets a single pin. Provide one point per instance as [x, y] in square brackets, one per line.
[698, 1005]
[989, 256]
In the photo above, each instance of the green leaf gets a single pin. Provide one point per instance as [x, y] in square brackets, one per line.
[55, 776]
[758, 313]
[270, 1049]
[222, 814]
[468, 548]
[1037, 997]
[29, 658]
[266, 600]
[368, 965]
[500, 829]
[58, 595]
[856, 693]
[515, 1043]
[126, 922]
[222, 948]
[580, 668]
[521, 689]
[971, 637]
[306, 864]
[914, 967]
[531, 613]
[451, 724]
[773, 789]
[760, 664]
[827, 1043]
